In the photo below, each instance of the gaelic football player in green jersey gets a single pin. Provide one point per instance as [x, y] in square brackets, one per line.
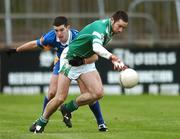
[91, 40]
[58, 38]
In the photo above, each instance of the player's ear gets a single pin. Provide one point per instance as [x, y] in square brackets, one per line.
[68, 26]
[112, 20]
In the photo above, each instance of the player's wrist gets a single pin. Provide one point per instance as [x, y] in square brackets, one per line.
[114, 58]
[77, 61]
[14, 50]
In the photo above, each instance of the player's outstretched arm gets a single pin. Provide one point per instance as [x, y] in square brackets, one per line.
[101, 51]
[27, 46]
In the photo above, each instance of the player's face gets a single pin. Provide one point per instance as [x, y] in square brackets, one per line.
[62, 32]
[118, 26]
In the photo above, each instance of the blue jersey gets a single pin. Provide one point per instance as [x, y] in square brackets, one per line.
[49, 40]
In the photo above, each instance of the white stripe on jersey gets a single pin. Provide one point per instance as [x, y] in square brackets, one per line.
[97, 34]
[96, 40]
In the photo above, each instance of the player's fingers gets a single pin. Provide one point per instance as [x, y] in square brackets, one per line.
[124, 67]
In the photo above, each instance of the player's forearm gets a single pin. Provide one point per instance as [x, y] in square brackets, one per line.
[91, 59]
[101, 51]
[27, 46]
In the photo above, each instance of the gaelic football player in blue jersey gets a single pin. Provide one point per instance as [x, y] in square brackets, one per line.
[59, 38]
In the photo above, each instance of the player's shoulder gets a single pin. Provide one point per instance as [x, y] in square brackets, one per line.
[50, 33]
[74, 31]
[101, 22]
[100, 25]
[49, 36]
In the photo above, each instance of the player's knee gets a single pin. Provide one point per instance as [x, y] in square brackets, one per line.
[99, 93]
[55, 102]
[51, 94]
[60, 100]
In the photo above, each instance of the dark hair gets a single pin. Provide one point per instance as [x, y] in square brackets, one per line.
[120, 15]
[60, 20]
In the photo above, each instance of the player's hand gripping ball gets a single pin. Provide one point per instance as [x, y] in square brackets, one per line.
[128, 78]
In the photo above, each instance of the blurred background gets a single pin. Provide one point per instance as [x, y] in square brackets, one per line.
[150, 45]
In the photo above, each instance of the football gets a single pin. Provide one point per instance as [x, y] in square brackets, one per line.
[128, 78]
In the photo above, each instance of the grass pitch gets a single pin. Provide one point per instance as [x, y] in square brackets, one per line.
[127, 117]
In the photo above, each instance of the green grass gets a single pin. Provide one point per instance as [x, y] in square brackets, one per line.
[127, 117]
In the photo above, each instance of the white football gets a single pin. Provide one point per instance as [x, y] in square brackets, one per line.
[128, 78]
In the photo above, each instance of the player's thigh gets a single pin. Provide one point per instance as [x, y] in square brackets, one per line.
[82, 87]
[92, 81]
[53, 86]
[63, 87]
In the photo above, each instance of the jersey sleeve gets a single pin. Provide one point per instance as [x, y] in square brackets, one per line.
[45, 41]
[39, 42]
[97, 42]
[98, 34]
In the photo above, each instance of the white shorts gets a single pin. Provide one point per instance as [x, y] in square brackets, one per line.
[73, 72]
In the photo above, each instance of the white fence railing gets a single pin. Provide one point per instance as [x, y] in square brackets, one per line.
[150, 22]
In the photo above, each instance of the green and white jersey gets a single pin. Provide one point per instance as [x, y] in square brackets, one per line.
[99, 32]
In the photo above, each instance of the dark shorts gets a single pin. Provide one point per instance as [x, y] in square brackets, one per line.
[56, 68]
